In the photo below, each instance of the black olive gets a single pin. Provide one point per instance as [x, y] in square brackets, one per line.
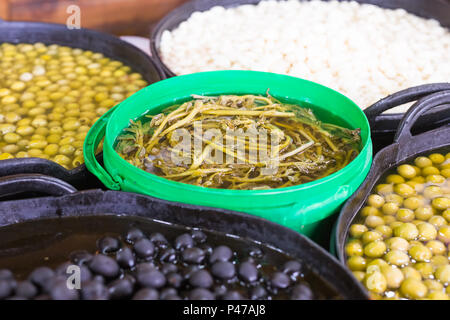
[59, 290]
[146, 294]
[201, 294]
[248, 272]
[133, 235]
[302, 292]
[6, 274]
[221, 253]
[292, 268]
[201, 278]
[94, 290]
[223, 270]
[105, 266]
[158, 240]
[5, 289]
[280, 280]
[168, 268]
[26, 290]
[168, 255]
[80, 257]
[144, 248]
[168, 293]
[174, 279]
[233, 295]
[108, 244]
[184, 241]
[258, 293]
[199, 236]
[151, 278]
[193, 255]
[121, 288]
[125, 258]
[41, 275]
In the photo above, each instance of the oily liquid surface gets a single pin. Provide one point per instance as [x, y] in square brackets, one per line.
[22, 249]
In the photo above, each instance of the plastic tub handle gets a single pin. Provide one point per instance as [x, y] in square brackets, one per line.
[93, 138]
[404, 135]
[402, 97]
[34, 183]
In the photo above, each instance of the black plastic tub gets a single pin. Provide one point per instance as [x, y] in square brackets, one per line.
[383, 126]
[110, 46]
[113, 203]
[404, 149]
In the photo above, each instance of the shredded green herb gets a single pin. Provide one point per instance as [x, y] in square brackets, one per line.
[257, 143]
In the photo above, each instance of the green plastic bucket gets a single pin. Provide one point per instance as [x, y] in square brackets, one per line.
[301, 207]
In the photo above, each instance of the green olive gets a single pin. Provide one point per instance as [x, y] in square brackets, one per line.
[446, 215]
[406, 171]
[423, 162]
[438, 261]
[441, 203]
[442, 274]
[404, 190]
[385, 230]
[430, 171]
[374, 221]
[395, 178]
[397, 243]
[359, 275]
[394, 198]
[390, 208]
[413, 203]
[433, 285]
[371, 236]
[437, 221]
[397, 257]
[376, 282]
[393, 276]
[436, 247]
[354, 248]
[413, 289]
[407, 231]
[435, 178]
[357, 263]
[405, 215]
[375, 200]
[420, 253]
[444, 234]
[437, 295]
[427, 231]
[375, 249]
[357, 230]
[410, 272]
[49, 93]
[436, 158]
[423, 213]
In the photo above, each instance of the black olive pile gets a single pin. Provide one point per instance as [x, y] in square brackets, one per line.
[149, 267]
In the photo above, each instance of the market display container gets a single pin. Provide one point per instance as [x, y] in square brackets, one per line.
[404, 149]
[383, 125]
[97, 203]
[302, 208]
[110, 46]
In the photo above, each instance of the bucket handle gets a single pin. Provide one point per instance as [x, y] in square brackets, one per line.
[34, 183]
[404, 135]
[93, 138]
[402, 97]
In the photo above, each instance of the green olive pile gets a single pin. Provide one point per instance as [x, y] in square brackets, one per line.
[51, 95]
[399, 247]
